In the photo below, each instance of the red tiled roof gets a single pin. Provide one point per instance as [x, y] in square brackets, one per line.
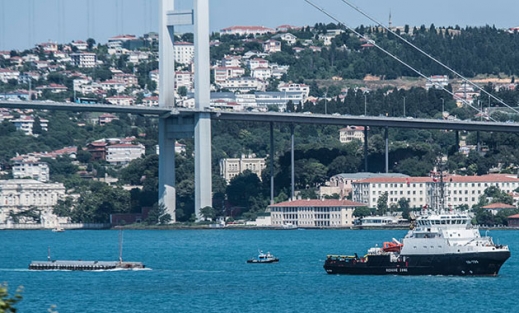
[317, 203]
[359, 128]
[499, 205]
[491, 178]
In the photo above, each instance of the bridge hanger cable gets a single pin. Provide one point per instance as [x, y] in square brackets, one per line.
[427, 55]
[385, 51]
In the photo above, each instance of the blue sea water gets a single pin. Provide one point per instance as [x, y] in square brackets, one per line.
[206, 271]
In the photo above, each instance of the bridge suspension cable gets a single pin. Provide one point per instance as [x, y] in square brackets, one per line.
[385, 51]
[427, 55]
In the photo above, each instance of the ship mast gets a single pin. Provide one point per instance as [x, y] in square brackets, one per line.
[438, 190]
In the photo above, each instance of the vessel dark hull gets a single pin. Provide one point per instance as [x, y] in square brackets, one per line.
[263, 261]
[476, 264]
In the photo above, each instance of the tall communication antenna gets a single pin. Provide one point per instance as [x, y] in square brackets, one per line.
[117, 23]
[59, 4]
[89, 22]
[2, 27]
[31, 23]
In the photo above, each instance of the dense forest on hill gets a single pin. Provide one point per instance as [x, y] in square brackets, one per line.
[469, 51]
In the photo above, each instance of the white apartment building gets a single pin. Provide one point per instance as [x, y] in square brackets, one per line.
[262, 73]
[232, 167]
[418, 191]
[7, 74]
[83, 59]
[30, 166]
[247, 30]
[277, 98]
[272, 46]
[18, 195]
[221, 74]
[231, 61]
[243, 84]
[183, 52]
[129, 80]
[184, 79]
[124, 153]
[258, 62]
[350, 133]
[288, 37]
[314, 213]
[302, 88]
[25, 123]
[121, 100]
[437, 81]
[79, 44]
[118, 86]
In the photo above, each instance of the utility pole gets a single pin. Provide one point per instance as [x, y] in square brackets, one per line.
[404, 106]
[365, 101]
[443, 106]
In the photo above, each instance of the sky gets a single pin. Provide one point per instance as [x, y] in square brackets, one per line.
[24, 23]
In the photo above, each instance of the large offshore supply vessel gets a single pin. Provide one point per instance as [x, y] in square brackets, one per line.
[441, 242]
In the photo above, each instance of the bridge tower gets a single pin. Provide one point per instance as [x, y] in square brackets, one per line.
[172, 127]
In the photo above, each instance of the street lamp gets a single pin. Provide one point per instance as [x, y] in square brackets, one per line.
[325, 103]
[443, 106]
[365, 104]
[404, 106]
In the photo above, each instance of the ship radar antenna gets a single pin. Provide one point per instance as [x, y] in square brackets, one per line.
[438, 188]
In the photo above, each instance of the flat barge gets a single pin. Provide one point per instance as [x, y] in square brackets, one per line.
[84, 265]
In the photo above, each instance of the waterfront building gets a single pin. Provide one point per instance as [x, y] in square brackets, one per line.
[314, 213]
[341, 184]
[494, 208]
[419, 191]
[19, 195]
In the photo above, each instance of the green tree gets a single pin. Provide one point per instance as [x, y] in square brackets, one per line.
[361, 212]
[7, 302]
[403, 204]
[90, 43]
[243, 187]
[182, 91]
[208, 213]
[36, 126]
[382, 206]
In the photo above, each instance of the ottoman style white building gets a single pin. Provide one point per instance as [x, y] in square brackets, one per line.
[314, 213]
[18, 195]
